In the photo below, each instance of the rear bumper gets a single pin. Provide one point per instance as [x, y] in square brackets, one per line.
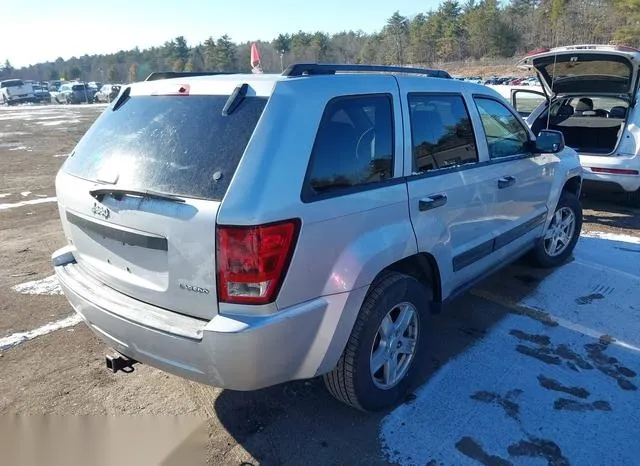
[234, 352]
[20, 99]
[610, 181]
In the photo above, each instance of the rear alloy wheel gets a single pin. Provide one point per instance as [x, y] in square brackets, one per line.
[562, 233]
[394, 346]
[387, 344]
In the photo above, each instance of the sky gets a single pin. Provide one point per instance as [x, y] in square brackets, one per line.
[42, 30]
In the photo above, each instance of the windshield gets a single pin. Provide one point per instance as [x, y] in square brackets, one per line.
[170, 144]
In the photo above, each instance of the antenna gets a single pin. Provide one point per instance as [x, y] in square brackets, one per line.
[553, 73]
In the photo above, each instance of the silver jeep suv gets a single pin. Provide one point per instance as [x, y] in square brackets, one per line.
[247, 230]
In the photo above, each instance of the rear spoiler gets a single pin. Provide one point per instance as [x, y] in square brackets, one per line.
[158, 75]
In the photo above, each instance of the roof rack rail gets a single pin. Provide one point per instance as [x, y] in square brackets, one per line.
[155, 76]
[307, 69]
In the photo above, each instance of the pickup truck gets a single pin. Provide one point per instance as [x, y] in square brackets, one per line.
[16, 91]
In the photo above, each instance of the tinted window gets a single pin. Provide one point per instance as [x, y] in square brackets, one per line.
[354, 144]
[171, 144]
[78, 87]
[506, 135]
[441, 132]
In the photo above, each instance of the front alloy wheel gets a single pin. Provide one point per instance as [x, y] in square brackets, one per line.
[560, 232]
[561, 235]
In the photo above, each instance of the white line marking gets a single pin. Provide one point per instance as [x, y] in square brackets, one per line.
[5, 195]
[31, 202]
[48, 285]
[20, 337]
[25, 193]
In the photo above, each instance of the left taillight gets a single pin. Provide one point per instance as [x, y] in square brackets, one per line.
[614, 171]
[252, 261]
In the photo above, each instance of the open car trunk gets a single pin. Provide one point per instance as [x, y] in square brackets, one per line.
[589, 88]
[595, 130]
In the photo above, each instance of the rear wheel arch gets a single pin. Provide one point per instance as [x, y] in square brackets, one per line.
[421, 266]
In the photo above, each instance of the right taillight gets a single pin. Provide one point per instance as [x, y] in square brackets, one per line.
[253, 260]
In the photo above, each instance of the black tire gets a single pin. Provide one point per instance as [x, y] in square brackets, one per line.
[351, 381]
[539, 257]
[633, 198]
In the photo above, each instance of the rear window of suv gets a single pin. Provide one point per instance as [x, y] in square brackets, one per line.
[179, 145]
[12, 83]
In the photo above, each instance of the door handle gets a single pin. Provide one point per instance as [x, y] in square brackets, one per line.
[431, 202]
[506, 181]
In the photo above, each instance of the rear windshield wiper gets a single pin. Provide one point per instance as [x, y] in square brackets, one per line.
[235, 99]
[119, 193]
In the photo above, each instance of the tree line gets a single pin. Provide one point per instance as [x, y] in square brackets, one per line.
[455, 31]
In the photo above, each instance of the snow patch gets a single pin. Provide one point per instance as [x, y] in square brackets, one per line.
[529, 393]
[17, 338]
[24, 203]
[525, 394]
[25, 193]
[48, 285]
[598, 289]
[611, 236]
[61, 155]
[58, 116]
[5, 195]
[28, 149]
[58, 122]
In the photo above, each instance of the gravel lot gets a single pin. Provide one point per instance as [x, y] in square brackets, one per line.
[530, 367]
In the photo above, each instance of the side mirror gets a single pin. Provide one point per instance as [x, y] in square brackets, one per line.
[549, 141]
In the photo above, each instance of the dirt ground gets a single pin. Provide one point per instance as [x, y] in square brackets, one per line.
[63, 372]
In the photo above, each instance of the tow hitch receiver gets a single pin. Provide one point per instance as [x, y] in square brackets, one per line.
[118, 362]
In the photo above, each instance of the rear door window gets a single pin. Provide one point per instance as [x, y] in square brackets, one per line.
[441, 132]
[353, 146]
[179, 145]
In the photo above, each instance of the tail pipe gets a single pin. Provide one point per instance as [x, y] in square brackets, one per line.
[119, 362]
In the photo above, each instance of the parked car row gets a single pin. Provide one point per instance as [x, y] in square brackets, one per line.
[505, 80]
[80, 92]
[18, 91]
